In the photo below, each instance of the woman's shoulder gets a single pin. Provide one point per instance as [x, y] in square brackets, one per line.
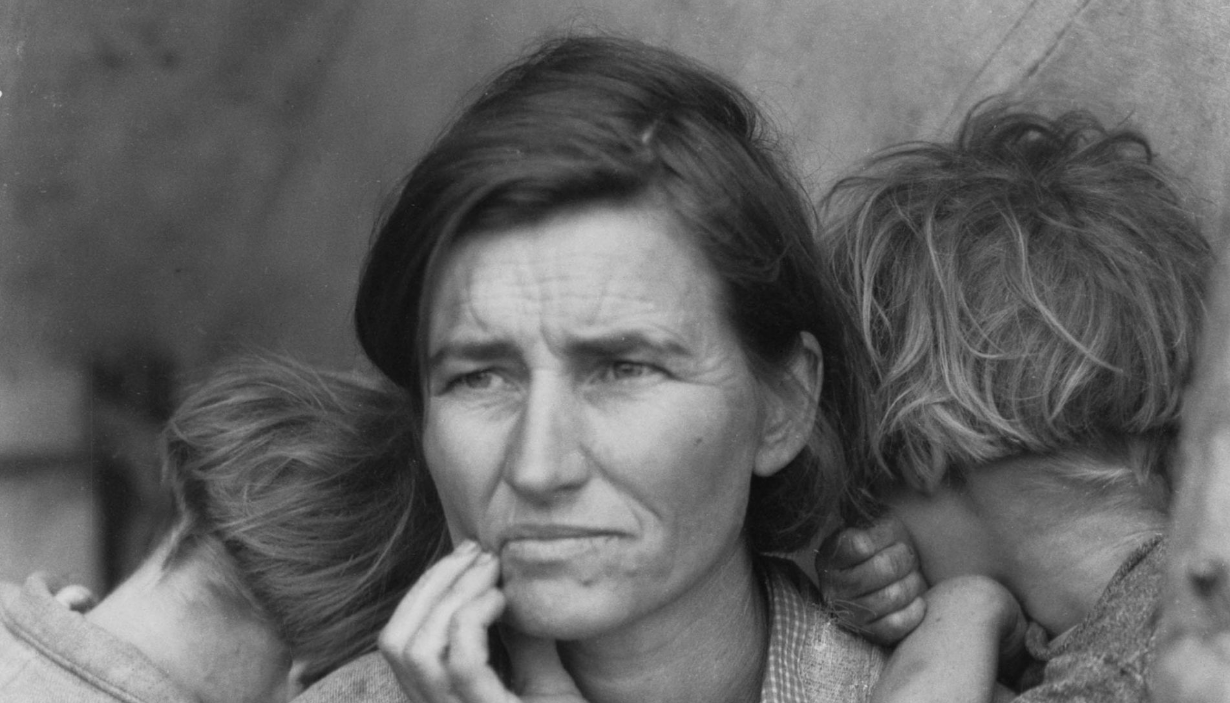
[367, 679]
[809, 654]
[808, 651]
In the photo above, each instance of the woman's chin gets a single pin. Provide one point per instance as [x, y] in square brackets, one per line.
[564, 613]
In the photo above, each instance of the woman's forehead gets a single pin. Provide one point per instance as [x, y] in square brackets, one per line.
[593, 269]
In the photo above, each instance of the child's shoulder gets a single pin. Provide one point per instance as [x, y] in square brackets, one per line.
[808, 645]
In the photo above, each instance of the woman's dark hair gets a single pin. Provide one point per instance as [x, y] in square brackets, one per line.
[599, 120]
[298, 486]
[1035, 286]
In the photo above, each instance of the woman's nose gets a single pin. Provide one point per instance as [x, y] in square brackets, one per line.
[545, 455]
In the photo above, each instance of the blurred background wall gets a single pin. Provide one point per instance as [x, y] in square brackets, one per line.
[183, 180]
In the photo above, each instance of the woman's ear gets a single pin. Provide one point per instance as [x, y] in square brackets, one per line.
[791, 407]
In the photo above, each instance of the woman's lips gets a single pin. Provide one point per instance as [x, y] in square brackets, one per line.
[552, 543]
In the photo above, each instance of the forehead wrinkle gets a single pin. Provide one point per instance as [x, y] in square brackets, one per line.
[564, 295]
[573, 299]
[615, 314]
[455, 307]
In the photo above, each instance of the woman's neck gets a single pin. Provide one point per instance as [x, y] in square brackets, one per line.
[210, 649]
[710, 646]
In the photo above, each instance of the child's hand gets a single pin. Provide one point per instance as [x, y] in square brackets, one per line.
[872, 580]
[436, 641]
[972, 624]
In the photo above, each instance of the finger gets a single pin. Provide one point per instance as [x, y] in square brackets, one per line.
[469, 669]
[427, 651]
[472, 583]
[894, 627]
[889, 565]
[852, 546]
[426, 593]
[419, 670]
[898, 595]
[843, 549]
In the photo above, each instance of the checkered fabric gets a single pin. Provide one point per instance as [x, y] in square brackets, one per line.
[810, 659]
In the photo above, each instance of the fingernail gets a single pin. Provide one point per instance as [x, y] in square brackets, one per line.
[485, 558]
[467, 547]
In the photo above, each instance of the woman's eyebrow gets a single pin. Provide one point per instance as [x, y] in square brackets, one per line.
[623, 343]
[473, 351]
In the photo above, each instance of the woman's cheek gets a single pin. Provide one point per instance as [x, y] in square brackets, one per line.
[455, 482]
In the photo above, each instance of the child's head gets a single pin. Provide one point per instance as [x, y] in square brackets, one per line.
[1032, 288]
[296, 486]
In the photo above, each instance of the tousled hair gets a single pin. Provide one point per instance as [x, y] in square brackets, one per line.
[606, 121]
[1034, 286]
[298, 486]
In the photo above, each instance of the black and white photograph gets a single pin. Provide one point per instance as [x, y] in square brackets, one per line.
[655, 351]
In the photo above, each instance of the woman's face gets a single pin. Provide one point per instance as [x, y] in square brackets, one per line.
[591, 418]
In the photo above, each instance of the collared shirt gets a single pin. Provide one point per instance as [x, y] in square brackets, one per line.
[811, 659]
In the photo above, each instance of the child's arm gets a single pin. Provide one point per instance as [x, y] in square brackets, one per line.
[954, 654]
[871, 578]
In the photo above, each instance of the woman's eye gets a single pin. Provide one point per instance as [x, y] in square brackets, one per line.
[628, 370]
[474, 380]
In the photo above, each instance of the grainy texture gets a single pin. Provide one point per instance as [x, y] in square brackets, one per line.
[181, 177]
[187, 176]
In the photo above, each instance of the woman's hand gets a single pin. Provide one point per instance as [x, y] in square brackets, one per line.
[436, 641]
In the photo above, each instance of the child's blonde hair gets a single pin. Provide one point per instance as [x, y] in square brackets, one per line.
[1033, 287]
